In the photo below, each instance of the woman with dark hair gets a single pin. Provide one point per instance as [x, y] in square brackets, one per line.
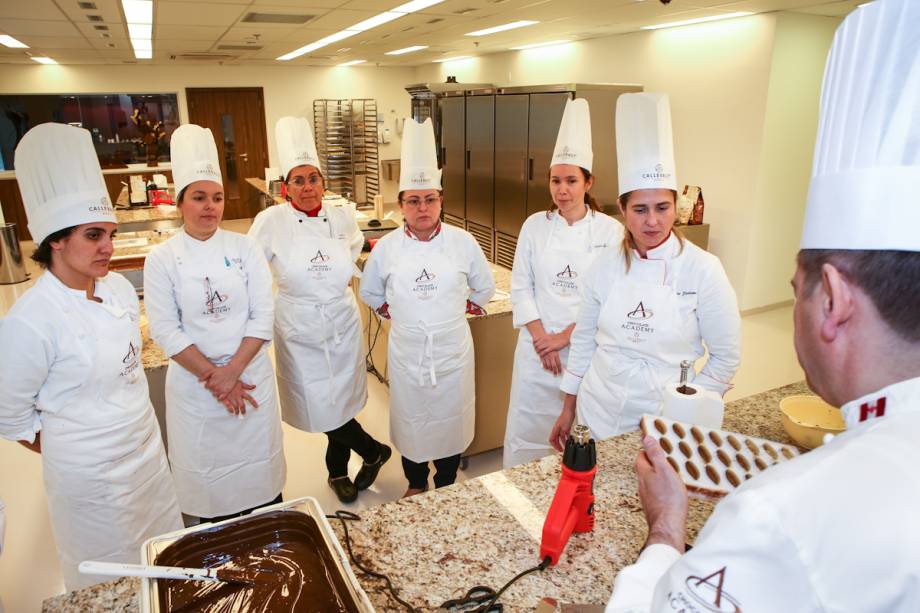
[312, 247]
[651, 304]
[208, 294]
[554, 251]
[73, 385]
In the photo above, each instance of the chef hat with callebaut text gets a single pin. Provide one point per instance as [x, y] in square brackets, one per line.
[60, 180]
[418, 158]
[296, 146]
[865, 183]
[573, 143]
[193, 155]
[645, 146]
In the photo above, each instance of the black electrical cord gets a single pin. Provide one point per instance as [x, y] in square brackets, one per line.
[371, 343]
[477, 599]
[344, 516]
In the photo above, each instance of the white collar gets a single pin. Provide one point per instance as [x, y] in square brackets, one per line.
[897, 398]
[670, 248]
[584, 220]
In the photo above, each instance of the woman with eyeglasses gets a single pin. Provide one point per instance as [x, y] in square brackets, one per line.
[312, 247]
[425, 278]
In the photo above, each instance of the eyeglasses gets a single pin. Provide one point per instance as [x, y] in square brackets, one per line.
[298, 183]
[430, 201]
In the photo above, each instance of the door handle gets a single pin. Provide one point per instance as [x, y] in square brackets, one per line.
[530, 169]
[245, 156]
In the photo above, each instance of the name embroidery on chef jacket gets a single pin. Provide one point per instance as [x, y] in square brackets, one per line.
[215, 305]
[638, 322]
[319, 265]
[564, 283]
[425, 286]
[131, 362]
[704, 594]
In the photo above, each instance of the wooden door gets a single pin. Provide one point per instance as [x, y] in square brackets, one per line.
[236, 117]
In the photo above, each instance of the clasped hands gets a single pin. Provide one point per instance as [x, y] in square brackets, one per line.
[548, 347]
[225, 383]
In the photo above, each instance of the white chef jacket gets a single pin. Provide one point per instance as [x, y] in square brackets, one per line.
[458, 244]
[833, 530]
[606, 233]
[701, 284]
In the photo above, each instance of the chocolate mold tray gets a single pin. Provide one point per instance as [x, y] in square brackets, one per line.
[710, 462]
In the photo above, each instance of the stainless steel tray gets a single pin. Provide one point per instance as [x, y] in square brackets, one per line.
[149, 603]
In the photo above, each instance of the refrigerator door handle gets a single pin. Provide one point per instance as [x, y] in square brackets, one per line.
[530, 169]
[467, 160]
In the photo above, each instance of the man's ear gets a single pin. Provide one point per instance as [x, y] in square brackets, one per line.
[837, 301]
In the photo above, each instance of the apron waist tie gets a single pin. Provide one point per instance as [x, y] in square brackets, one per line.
[326, 320]
[429, 350]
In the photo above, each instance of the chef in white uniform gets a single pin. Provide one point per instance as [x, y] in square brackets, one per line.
[425, 277]
[311, 247]
[836, 529]
[73, 385]
[651, 303]
[554, 251]
[209, 303]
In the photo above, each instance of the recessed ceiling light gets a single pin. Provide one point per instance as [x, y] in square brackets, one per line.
[138, 11]
[415, 5]
[376, 20]
[502, 28]
[142, 31]
[12, 43]
[143, 54]
[546, 44]
[352, 63]
[687, 22]
[453, 59]
[141, 45]
[407, 50]
[328, 40]
[43, 60]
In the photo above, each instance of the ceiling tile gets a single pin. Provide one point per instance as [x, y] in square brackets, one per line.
[31, 9]
[197, 13]
[187, 32]
[23, 27]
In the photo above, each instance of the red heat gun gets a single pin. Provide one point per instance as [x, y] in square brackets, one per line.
[572, 509]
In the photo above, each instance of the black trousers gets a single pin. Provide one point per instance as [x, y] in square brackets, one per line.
[347, 437]
[214, 520]
[417, 473]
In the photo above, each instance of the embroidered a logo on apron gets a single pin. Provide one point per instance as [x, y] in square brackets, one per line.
[635, 322]
[565, 284]
[706, 591]
[131, 362]
[319, 268]
[214, 301]
[425, 285]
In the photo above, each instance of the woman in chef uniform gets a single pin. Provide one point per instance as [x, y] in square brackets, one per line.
[554, 251]
[425, 277]
[312, 247]
[73, 386]
[651, 303]
[209, 302]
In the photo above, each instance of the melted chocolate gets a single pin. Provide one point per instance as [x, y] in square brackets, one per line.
[284, 561]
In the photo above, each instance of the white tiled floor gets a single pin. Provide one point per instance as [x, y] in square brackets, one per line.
[29, 568]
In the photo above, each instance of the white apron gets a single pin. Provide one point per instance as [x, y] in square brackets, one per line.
[536, 399]
[627, 377]
[105, 470]
[319, 355]
[430, 355]
[221, 464]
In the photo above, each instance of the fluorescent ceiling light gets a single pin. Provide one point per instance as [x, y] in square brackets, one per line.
[8, 41]
[143, 54]
[353, 63]
[502, 28]
[546, 44]
[415, 5]
[141, 45]
[407, 50]
[453, 59]
[43, 60]
[143, 31]
[138, 11]
[376, 20]
[688, 22]
[328, 40]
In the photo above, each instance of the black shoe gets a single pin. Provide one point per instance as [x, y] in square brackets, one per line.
[344, 488]
[368, 473]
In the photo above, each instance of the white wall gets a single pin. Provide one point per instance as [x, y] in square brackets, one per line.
[288, 90]
[719, 78]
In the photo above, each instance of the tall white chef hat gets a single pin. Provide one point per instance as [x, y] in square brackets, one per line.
[645, 146]
[573, 143]
[193, 154]
[865, 181]
[418, 158]
[296, 146]
[60, 180]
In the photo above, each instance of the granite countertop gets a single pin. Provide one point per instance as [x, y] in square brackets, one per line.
[483, 531]
[142, 214]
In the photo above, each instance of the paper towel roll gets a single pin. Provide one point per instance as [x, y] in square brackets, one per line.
[703, 407]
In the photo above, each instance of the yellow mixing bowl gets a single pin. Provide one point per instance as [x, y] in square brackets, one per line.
[808, 418]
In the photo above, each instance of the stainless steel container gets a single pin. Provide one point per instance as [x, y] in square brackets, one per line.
[12, 266]
[149, 602]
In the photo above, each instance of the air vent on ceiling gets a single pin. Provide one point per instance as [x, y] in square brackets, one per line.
[101, 28]
[110, 45]
[87, 6]
[464, 11]
[94, 17]
[407, 29]
[277, 18]
[205, 57]
[105, 35]
[435, 20]
[239, 47]
[129, 61]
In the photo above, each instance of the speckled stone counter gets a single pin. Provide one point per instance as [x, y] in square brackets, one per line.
[144, 214]
[437, 545]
